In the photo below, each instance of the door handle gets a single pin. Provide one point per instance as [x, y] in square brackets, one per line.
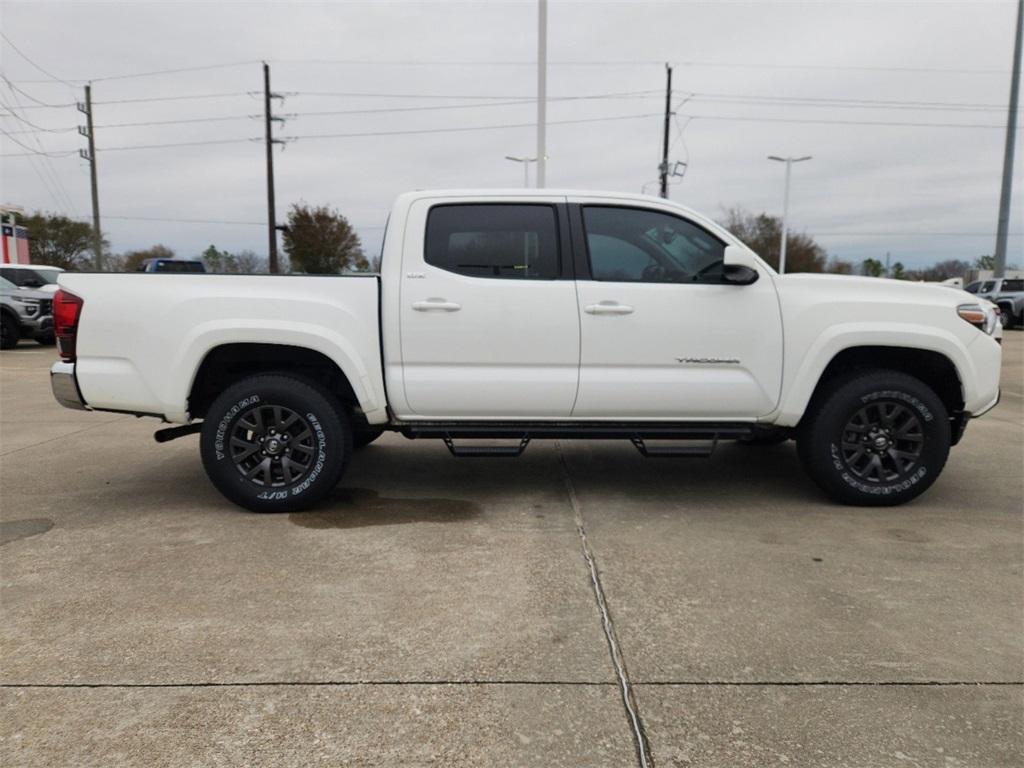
[439, 305]
[608, 308]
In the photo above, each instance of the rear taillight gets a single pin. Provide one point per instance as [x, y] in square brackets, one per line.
[67, 308]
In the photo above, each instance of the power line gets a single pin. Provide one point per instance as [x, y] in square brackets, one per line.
[48, 169]
[212, 221]
[37, 102]
[810, 101]
[740, 118]
[26, 58]
[35, 128]
[638, 63]
[463, 129]
[475, 96]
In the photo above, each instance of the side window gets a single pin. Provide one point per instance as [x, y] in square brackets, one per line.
[643, 246]
[988, 286]
[1012, 286]
[515, 242]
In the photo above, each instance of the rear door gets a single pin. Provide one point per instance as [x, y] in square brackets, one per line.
[488, 312]
[662, 335]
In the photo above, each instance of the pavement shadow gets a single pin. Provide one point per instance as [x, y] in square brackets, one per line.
[362, 507]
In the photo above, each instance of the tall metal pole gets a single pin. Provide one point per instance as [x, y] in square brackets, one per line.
[542, 89]
[663, 168]
[271, 212]
[785, 206]
[1011, 135]
[97, 236]
[785, 218]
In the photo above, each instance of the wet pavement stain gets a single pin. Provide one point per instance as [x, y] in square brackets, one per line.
[901, 534]
[12, 530]
[361, 507]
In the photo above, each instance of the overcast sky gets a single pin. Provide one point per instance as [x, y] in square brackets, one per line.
[762, 78]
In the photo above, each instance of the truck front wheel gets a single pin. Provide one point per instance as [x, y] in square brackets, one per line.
[875, 438]
[275, 443]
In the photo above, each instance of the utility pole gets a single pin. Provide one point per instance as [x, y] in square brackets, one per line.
[270, 142]
[1011, 136]
[663, 168]
[542, 89]
[90, 155]
[785, 206]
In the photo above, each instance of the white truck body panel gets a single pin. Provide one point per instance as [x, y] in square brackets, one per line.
[520, 349]
[143, 337]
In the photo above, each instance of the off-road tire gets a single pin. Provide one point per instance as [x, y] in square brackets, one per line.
[911, 443]
[297, 462]
[1006, 317]
[10, 332]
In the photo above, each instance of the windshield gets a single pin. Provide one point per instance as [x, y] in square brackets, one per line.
[46, 276]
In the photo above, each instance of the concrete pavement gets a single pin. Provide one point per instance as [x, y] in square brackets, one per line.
[439, 611]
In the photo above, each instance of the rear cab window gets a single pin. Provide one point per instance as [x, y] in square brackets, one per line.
[494, 240]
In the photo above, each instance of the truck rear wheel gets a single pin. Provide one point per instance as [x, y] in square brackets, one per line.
[875, 438]
[275, 443]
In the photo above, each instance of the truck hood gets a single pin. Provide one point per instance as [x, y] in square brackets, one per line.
[875, 289]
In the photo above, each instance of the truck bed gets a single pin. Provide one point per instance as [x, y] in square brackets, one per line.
[144, 336]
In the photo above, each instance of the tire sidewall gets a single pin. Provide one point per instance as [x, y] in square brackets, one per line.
[327, 420]
[822, 449]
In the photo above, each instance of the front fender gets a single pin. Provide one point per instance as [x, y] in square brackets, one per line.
[800, 380]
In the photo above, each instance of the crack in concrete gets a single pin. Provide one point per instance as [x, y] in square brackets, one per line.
[643, 751]
[560, 683]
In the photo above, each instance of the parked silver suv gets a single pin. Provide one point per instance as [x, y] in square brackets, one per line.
[1007, 293]
[25, 313]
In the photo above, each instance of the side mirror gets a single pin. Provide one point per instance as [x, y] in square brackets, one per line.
[740, 266]
[739, 274]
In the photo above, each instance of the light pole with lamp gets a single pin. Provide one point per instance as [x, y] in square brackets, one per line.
[785, 205]
[526, 167]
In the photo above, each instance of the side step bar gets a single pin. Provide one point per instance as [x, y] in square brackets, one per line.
[487, 451]
[638, 433]
[676, 451]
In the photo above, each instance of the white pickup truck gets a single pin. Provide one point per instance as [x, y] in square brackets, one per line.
[536, 314]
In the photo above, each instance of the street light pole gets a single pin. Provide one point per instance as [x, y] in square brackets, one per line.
[526, 167]
[1011, 135]
[785, 206]
[542, 89]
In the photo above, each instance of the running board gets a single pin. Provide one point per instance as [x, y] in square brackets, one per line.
[487, 451]
[576, 430]
[675, 451]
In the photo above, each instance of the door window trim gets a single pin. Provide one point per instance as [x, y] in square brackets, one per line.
[563, 241]
[581, 250]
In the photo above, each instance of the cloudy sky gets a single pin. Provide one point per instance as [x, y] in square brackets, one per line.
[900, 104]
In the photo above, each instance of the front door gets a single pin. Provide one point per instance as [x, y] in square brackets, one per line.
[489, 321]
[662, 335]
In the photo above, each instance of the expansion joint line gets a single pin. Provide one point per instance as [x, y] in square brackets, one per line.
[643, 751]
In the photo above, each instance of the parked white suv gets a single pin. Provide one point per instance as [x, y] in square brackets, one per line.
[36, 277]
[24, 314]
[536, 314]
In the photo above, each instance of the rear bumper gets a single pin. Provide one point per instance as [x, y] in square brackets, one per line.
[65, 387]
